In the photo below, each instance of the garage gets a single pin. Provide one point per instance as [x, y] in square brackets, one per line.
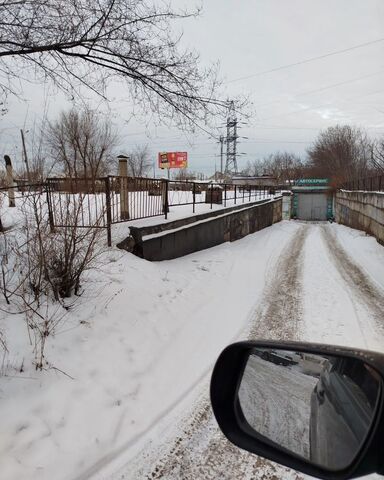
[312, 200]
[312, 206]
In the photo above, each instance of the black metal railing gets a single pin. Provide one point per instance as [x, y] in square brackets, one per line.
[368, 184]
[194, 193]
[102, 202]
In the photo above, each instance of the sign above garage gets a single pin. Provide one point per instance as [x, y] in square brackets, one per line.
[312, 181]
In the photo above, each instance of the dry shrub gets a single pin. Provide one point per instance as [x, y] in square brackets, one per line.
[52, 265]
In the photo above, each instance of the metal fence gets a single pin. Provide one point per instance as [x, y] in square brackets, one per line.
[102, 202]
[368, 184]
[194, 193]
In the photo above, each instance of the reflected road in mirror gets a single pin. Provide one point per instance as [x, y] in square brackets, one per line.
[318, 407]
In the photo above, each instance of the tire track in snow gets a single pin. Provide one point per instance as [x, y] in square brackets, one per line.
[280, 312]
[201, 451]
[364, 290]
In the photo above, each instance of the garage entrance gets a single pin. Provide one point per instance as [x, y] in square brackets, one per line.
[312, 199]
[312, 206]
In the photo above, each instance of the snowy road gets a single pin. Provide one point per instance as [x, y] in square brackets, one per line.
[141, 344]
[276, 402]
[315, 292]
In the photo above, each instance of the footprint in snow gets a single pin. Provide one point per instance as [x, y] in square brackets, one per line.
[21, 428]
[204, 269]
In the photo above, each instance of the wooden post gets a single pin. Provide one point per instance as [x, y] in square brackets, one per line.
[123, 174]
[10, 183]
[50, 207]
[25, 156]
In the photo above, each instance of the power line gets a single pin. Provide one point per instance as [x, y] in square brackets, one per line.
[306, 109]
[334, 85]
[279, 141]
[282, 127]
[308, 60]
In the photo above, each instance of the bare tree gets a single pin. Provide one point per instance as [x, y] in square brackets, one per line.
[284, 166]
[82, 143]
[90, 42]
[341, 153]
[40, 162]
[139, 162]
[184, 174]
[377, 155]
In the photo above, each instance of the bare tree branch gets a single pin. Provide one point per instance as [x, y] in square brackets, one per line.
[93, 41]
[341, 153]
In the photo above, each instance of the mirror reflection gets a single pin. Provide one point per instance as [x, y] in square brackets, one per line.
[319, 407]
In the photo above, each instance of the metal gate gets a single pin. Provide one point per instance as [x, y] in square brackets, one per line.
[312, 206]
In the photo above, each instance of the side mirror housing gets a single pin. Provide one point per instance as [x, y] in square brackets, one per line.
[315, 408]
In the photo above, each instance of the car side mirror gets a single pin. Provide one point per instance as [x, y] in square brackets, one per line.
[315, 408]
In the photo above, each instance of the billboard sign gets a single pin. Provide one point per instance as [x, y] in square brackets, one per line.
[173, 160]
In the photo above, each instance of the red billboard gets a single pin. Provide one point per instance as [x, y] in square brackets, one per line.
[173, 160]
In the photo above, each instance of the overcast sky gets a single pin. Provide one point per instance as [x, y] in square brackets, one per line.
[252, 40]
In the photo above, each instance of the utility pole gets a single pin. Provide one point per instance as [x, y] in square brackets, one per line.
[231, 140]
[25, 155]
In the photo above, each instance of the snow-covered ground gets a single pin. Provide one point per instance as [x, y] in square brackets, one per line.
[141, 341]
[315, 290]
[276, 402]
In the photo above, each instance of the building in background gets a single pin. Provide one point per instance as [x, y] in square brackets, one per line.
[262, 181]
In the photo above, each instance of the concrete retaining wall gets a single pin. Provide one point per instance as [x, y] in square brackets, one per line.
[209, 232]
[363, 211]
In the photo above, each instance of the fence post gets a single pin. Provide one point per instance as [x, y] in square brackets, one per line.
[165, 197]
[235, 194]
[123, 173]
[10, 183]
[194, 195]
[109, 213]
[380, 177]
[50, 208]
[250, 192]
[225, 194]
